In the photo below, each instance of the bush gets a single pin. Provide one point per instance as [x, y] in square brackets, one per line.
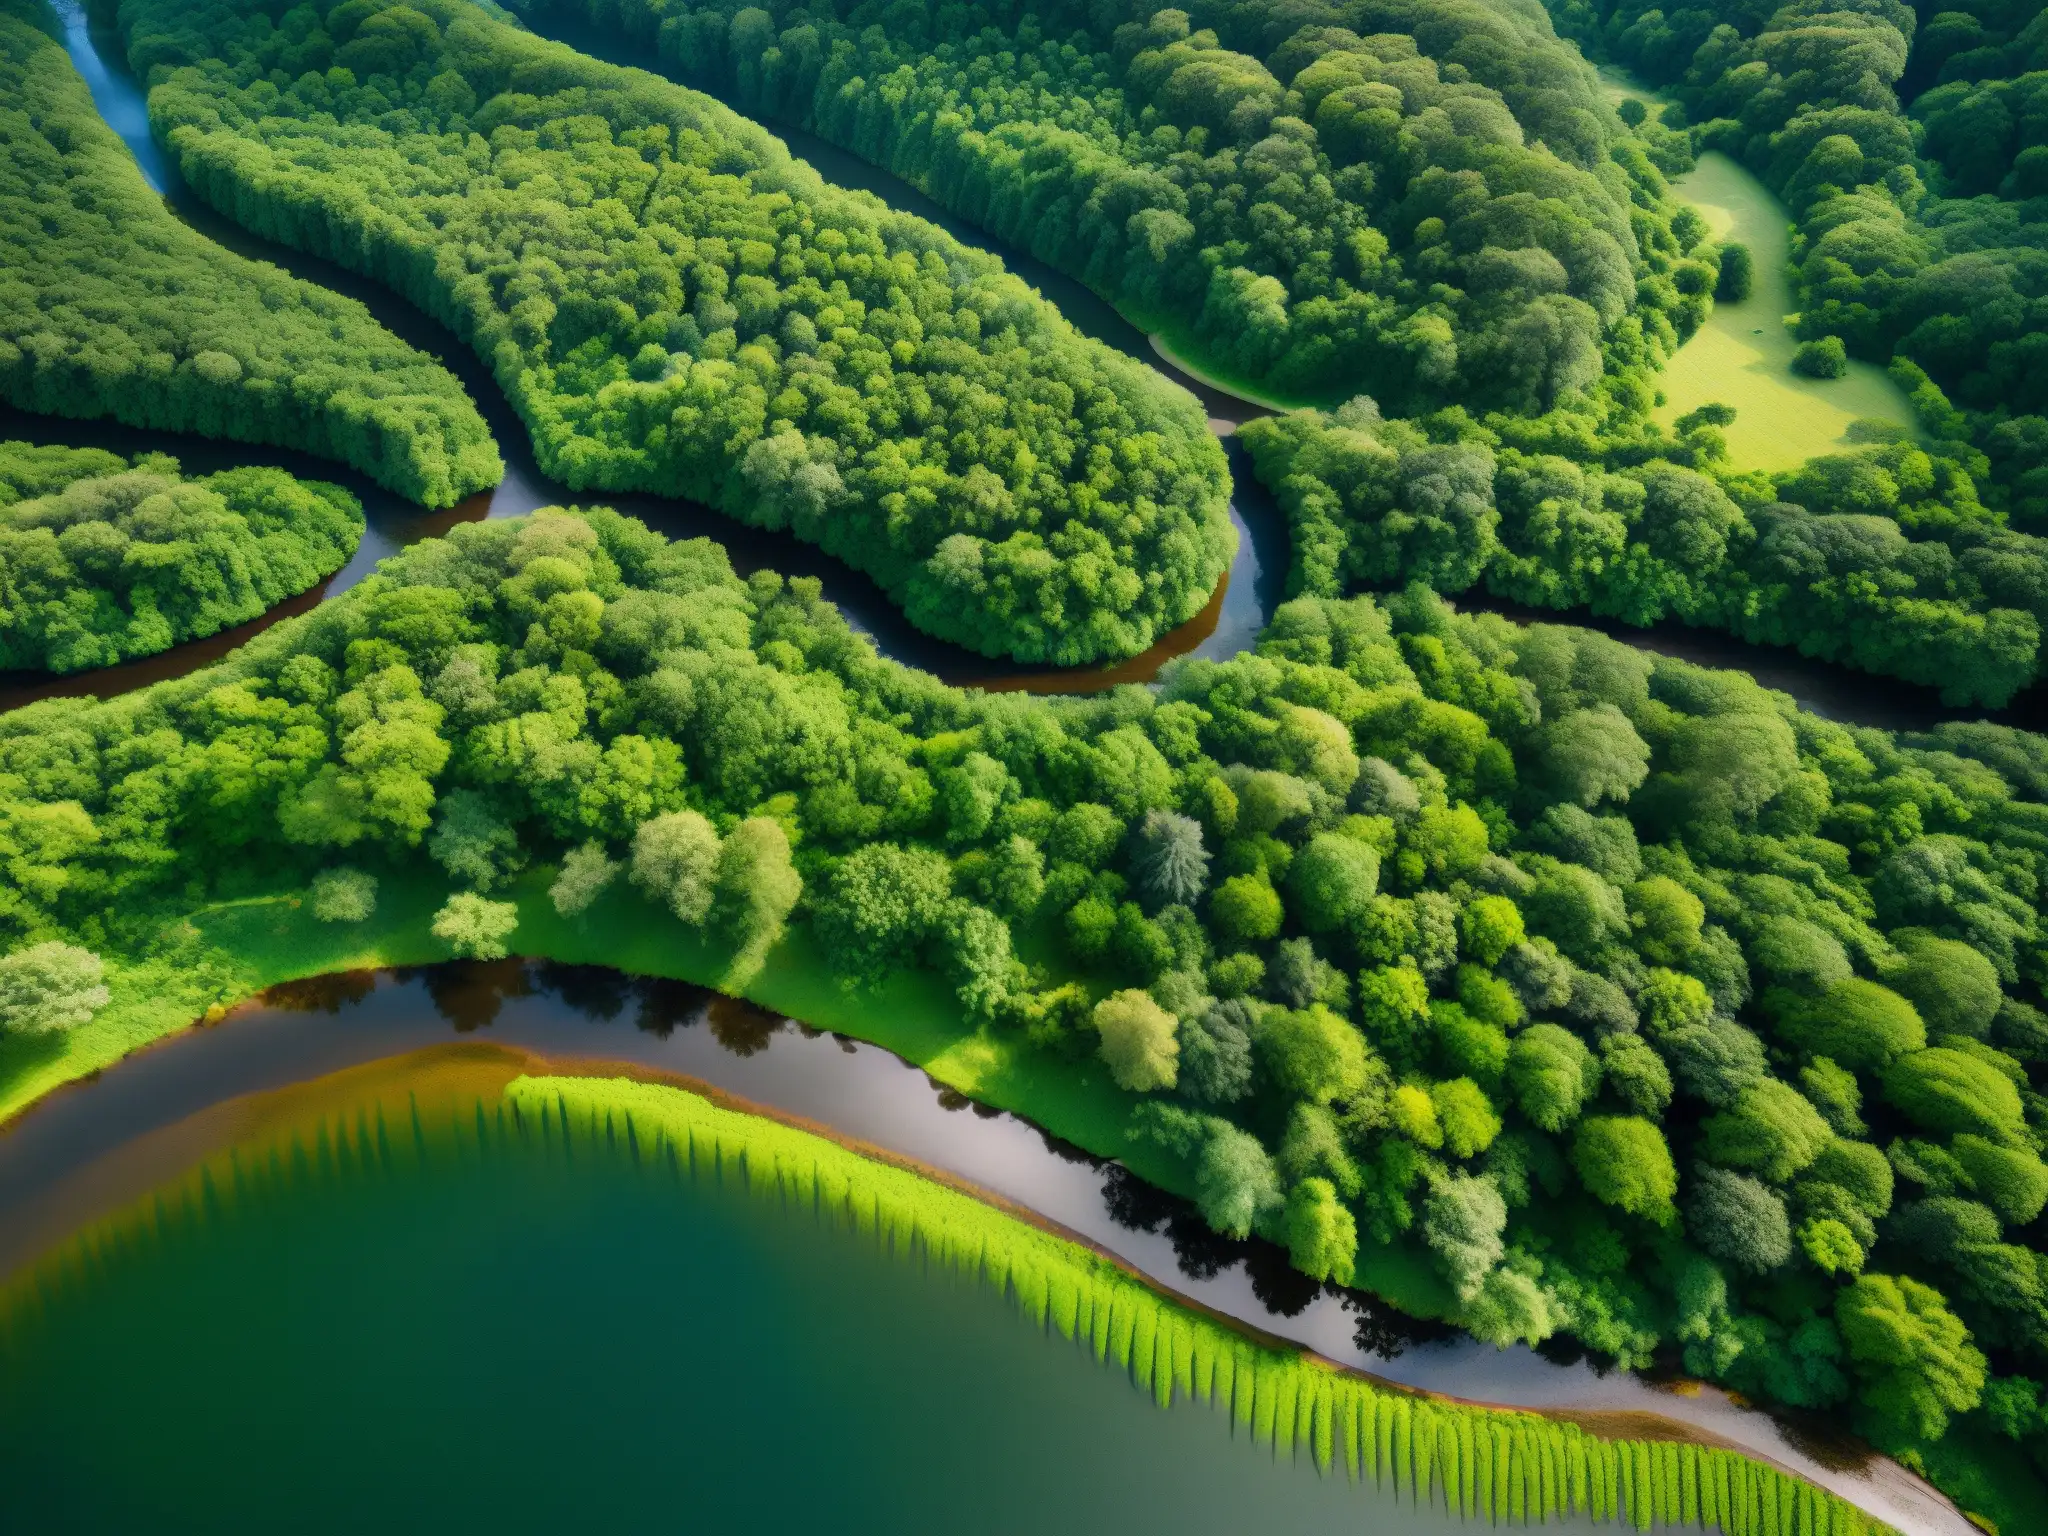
[1822, 359]
[344, 895]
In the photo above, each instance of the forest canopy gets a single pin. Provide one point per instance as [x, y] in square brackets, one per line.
[1428, 202]
[1639, 1005]
[674, 304]
[103, 560]
[1880, 557]
[109, 306]
[1909, 144]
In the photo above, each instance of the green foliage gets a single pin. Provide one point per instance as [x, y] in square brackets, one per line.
[1770, 1129]
[586, 873]
[1911, 1355]
[1551, 1074]
[1625, 1162]
[1138, 1041]
[1858, 1023]
[344, 895]
[49, 987]
[1247, 183]
[711, 319]
[1822, 359]
[112, 562]
[1322, 1236]
[1948, 1091]
[475, 927]
[110, 306]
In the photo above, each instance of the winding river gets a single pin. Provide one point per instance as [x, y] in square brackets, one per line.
[1230, 623]
[92, 1146]
[98, 1145]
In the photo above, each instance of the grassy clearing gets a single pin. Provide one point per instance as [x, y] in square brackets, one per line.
[1742, 356]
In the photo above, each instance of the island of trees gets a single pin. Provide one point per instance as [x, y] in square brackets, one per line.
[673, 304]
[110, 307]
[1637, 1005]
[103, 560]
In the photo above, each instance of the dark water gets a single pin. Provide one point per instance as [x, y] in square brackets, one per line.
[480, 1329]
[89, 1148]
[1233, 618]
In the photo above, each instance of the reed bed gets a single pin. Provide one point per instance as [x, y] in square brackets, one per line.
[1498, 1466]
[1484, 1464]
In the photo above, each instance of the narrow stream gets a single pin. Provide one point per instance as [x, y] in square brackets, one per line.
[94, 1146]
[1229, 624]
[1233, 618]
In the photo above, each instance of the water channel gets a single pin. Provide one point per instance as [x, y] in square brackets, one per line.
[482, 1329]
[97, 1146]
[1228, 624]
[77, 1149]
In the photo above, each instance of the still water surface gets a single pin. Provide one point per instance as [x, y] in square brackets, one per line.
[434, 1324]
[93, 1147]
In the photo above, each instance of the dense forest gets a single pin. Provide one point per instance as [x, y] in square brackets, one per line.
[104, 560]
[1881, 557]
[109, 306]
[673, 304]
[1653, 1011]
[1430, 203]
[1910, 147]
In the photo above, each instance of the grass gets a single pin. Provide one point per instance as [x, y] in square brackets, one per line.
[1742, 356]
[229, 951]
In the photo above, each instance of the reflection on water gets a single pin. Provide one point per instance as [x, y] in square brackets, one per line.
[385, 1302]
[55, 1162]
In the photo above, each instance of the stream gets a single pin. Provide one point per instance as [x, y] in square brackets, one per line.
[1230, 623]
[97, 1145]
[65, 1159]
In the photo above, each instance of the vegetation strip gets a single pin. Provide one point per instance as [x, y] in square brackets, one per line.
[111, 307]
[103, 560]
[1494, 1465]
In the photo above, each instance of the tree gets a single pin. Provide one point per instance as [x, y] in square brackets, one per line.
[1770, 1129]
[1912, 1354]
[1858, 1023]
[1170, 864]
[1733, 1217]
[475, 927]
[1738, 273]
[1955, 988]
[879, 905]
[472, 841]
[1466, 1115]
[675, 862]
[1236, 1185]
[1551, 1074]
[2013, 1182]
[344, 895]
[49, 987]
[1463, 1221]
[1592, 755]
[586, 873]
[1322, 1236]
[1822, 359]
[1946, 1091]
[1667, 919]
[1245, 909]
[1216, 1054]
[1636, 1075]
[756, 885]
[1331, 881]
[1138, 1040]
[1625, 1162]
[1311, 1053]
[1488, 927]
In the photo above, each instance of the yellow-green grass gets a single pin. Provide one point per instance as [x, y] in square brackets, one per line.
[235, 949]
[1173, 342]
[1742, 356]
